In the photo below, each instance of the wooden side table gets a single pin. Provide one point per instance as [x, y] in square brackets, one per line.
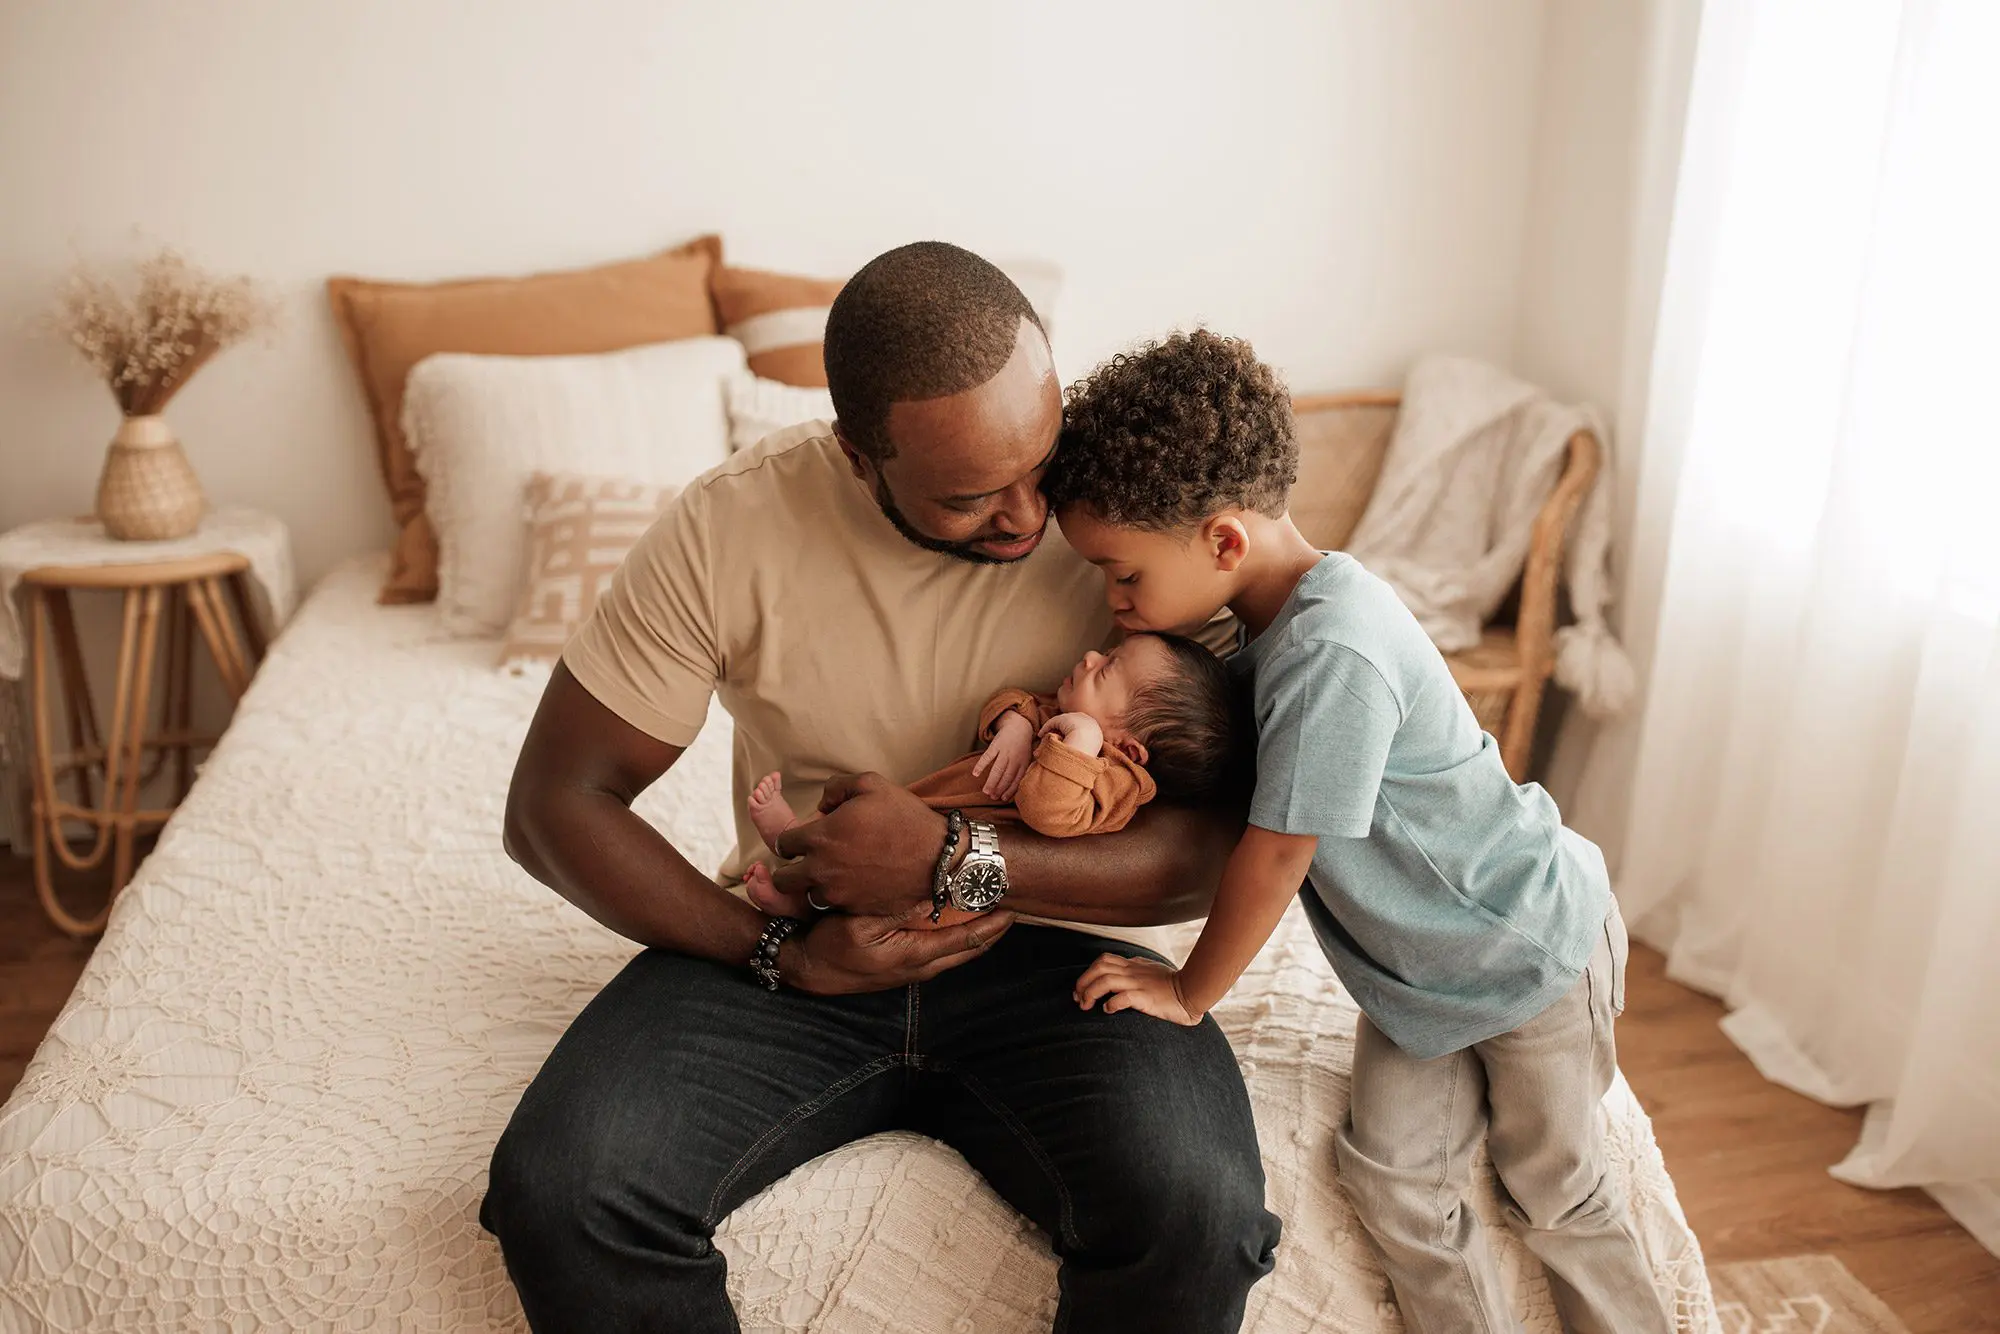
[201, 595]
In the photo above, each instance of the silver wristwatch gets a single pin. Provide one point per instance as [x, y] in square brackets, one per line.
[980, 881]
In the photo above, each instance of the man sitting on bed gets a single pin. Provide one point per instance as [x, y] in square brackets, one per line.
[855, 595]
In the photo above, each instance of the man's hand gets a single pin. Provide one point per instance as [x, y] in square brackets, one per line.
[1007, 757]
[1079, 731]
[870, 854]
[1124, 983]
[840, 955]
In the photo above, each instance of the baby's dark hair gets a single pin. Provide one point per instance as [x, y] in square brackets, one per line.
[1196, 725]
[1174, 432]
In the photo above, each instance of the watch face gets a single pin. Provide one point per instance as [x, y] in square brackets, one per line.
[980, 885]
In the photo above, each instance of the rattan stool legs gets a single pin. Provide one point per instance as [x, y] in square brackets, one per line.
[107, 771]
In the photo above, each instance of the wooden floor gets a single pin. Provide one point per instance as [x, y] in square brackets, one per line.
[1748, 1157]
[1749, 1160]
[38, 964]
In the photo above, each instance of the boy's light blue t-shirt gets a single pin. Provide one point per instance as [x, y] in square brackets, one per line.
[1450, 899]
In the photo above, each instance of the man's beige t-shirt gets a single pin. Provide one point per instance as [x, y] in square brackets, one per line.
[836, 645]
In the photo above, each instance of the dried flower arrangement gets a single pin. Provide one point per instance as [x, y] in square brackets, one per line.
[148, 344]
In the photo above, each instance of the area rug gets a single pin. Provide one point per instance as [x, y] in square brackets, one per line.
[1802, 1294]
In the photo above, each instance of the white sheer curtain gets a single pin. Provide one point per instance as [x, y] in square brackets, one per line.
[1807, 807]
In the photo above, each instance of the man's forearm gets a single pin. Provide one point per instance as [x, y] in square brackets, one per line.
[1163, 867]
[593, 850]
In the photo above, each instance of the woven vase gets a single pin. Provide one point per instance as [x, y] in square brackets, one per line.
[148, 491]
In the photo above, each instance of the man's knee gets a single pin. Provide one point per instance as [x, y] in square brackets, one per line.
[563, 1185]
[1198, 1212]
[528, 1191]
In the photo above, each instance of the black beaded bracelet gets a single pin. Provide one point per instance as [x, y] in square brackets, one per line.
[954, 825]
[764, 959]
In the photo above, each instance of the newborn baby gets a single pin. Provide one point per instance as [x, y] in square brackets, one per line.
[1153, 717]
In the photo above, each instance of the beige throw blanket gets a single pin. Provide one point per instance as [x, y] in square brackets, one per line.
[1474, 456]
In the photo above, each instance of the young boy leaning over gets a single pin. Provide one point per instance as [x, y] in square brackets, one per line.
[1476, 934]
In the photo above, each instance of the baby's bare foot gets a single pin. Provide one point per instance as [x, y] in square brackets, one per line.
[763, 891]
[768, 811]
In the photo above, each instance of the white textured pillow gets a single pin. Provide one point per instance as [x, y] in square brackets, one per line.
[479, 427]
[759, 407]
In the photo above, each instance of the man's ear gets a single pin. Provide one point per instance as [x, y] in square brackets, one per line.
[862, 466]
[1228, 541]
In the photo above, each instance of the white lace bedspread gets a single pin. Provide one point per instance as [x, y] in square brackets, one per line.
[269, 1103]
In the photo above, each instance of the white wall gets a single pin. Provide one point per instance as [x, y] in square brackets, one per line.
[1654, 107]
[1571, 332]
[1345, 183]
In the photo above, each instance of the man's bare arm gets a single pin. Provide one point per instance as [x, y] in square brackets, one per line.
[570, 824]
[874, 849]
[1163, 867]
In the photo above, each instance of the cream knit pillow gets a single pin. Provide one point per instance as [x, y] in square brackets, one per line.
[760, 407]
[481, 426]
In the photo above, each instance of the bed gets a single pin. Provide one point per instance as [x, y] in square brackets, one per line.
[270, 1101]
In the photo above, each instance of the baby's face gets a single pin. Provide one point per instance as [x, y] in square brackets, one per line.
[1103, 683]
[1152, 581]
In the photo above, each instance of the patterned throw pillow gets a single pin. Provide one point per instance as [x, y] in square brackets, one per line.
[579, 529]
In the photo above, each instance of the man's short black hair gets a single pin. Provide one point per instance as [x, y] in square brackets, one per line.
[925, 320]
[1174, 432]
[1200, 738]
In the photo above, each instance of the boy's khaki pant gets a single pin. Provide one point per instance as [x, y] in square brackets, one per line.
[1536, 1094]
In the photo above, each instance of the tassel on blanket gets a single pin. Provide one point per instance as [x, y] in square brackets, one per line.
[1593, 665]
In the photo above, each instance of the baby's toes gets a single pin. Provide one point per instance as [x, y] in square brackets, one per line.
[762, 890]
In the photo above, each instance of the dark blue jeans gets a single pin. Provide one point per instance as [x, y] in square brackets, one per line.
[684, 1088]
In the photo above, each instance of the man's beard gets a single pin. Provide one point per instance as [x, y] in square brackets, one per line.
[965, 551]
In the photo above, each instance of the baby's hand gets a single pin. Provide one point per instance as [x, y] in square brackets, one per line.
[1079, 731]
[1006, 757]
[1134, 984]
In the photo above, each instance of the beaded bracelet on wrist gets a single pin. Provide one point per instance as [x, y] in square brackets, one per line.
[954, 825]
[764, 959]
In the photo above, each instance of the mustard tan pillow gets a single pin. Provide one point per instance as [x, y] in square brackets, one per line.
[779, 318]
[390, 327]
[579, 529]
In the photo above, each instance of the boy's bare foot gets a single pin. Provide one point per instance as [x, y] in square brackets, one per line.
[768, 811]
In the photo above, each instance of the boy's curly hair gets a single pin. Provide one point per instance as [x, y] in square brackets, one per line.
[1177, 430]
[1200, 738]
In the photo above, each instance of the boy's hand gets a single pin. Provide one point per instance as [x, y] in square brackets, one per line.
[1135, 984]
[1079, 731]
[1006, 758]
